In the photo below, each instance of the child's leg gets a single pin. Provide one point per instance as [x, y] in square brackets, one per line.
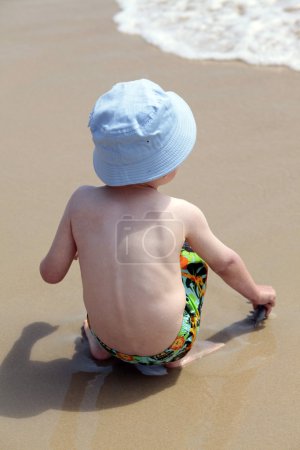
[198, 350]
[97, 351]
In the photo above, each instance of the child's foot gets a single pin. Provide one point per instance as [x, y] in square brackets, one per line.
[199, 349]
[96, 350]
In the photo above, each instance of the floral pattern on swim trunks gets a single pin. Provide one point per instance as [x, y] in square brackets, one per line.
[194, 277]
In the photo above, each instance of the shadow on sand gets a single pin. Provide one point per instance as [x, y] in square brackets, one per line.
[28, 388]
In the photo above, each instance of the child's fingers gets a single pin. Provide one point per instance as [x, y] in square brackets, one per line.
[268, 309]
[267, 298]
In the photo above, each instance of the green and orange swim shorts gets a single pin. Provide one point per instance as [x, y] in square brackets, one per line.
[194, 277]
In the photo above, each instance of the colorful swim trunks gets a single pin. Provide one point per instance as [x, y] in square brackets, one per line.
[194, 275]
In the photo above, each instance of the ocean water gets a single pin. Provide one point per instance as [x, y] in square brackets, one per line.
[255, 31]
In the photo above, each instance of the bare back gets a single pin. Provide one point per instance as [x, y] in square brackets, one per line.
[129, 241]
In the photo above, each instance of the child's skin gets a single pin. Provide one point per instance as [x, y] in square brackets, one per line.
[137, 308]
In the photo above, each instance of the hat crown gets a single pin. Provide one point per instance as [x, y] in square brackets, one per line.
[131, 111]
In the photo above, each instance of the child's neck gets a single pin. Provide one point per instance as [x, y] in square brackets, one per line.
[135, 186]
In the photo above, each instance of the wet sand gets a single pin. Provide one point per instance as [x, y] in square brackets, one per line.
[56, 58]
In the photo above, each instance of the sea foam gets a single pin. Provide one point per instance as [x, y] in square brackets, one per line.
[255, 31]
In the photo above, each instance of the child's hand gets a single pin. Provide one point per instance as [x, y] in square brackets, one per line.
[266, 297]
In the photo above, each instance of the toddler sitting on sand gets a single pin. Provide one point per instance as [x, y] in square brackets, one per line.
[138, 249]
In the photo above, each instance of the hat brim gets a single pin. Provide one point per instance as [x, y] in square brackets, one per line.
[171, 156]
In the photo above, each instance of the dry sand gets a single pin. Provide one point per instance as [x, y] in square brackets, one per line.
[56, 58]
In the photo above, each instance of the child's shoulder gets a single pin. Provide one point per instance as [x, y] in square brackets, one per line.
[183, 205]
[82, 196]
[187, 211]
[84, 191]
[85, 188]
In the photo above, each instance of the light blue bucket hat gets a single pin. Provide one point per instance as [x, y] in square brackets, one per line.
[140, 133]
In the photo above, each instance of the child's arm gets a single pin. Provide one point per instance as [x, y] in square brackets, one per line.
[57, 262]
[224, 261]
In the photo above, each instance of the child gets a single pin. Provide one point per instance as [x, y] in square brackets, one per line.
[143, 281]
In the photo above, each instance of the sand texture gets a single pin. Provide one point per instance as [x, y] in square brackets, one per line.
[56, 58]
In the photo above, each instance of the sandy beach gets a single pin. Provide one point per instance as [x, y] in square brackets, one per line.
[57, 57]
